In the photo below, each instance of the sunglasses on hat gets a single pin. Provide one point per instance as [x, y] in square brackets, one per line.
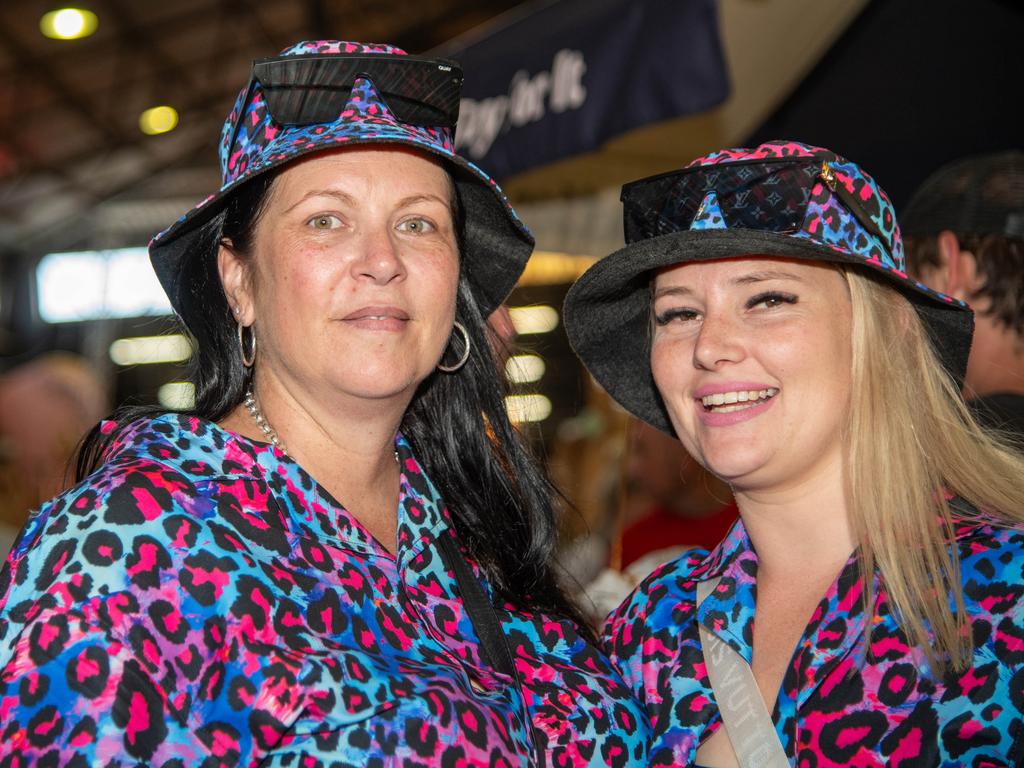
[305, 90]
[763, 195]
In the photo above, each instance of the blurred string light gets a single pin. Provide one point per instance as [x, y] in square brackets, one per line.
[149, 350]
[539, 318]
[68, 24]
[524, 369]
[91, 285]
[177, 395]
[552, 268]
[526, 408]
[157, 120]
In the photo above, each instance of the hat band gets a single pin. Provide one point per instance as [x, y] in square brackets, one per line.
[763, 195]
[309, 90]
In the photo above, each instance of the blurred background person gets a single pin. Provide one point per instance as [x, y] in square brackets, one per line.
[658, 503]
[672, 502]
[46, 407]
[964, 232]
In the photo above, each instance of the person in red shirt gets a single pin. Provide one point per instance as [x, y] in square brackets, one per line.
[672, 503]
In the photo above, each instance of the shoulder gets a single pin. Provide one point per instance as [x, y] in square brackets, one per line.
[992, 576]
[660, 607]
[140, 480]
[991, 566]
[144, 517]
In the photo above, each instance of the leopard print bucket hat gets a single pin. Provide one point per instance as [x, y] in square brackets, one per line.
[255, 139]
[782, 198]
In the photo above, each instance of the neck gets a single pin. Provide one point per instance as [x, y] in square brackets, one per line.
[346, 443]
[800, 529]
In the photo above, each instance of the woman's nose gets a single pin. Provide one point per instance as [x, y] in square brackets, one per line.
[378, 259]
[719, 342]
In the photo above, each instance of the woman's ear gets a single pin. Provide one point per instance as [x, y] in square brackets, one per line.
[234, 276]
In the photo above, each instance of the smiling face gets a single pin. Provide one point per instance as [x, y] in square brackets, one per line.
[752, 358]
[352, 278]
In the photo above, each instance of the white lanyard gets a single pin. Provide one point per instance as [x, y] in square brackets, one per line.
[747, 722]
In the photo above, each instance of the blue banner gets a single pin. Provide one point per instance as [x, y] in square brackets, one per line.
[571, 74]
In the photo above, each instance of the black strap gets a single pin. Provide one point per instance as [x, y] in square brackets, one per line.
[488, 627]
[478, 606]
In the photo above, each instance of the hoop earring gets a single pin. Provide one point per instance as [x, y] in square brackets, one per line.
[248, 360]
[465, 352]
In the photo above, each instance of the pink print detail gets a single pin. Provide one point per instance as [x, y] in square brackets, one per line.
[138, 717]
[909, 747]
[147, 505]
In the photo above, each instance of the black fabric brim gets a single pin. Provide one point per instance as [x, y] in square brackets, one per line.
[607, 312]
[496, 246]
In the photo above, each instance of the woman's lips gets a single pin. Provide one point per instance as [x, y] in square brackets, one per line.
[377, 318]
[729, 403]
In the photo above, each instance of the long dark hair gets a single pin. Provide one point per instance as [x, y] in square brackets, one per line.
[500, 498]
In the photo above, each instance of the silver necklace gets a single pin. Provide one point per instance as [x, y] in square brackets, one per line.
[254, 410]
[261, 422]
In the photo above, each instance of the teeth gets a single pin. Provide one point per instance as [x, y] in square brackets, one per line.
[730, 399]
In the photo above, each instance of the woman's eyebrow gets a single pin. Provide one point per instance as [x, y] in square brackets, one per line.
[343, 197]
[769, 274]
[348, 199]
[426, 197]
[672, 290]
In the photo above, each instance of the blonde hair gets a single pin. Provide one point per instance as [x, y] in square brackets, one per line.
[910, 440]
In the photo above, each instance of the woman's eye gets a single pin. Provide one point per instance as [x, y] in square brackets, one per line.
[416, 226]
[771, 300]
[325, 221]
[675, 315]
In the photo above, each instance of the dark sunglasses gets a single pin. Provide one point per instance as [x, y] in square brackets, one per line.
[304, 90]
[764, 195]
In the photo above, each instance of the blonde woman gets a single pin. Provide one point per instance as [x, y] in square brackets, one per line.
[865, 609]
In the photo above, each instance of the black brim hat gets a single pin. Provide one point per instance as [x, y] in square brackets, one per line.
[781, 199]
[496, 244]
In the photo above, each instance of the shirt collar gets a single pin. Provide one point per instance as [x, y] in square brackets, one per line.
[835, 627]
[729, 609]
[295, 499]
[422, 514]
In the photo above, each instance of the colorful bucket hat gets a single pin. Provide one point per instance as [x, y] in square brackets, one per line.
[496, 244]
[781, 199]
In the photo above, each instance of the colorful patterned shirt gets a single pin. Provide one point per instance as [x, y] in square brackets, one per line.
[855, 693]
[201, 601]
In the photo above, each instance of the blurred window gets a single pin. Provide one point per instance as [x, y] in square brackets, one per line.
[90, 285]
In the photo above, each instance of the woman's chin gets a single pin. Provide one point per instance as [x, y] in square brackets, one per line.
[377, 383]
[737, 470]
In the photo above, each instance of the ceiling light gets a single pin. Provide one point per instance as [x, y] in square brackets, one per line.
[68, 24]
[524, 369]
[156, 120]
[523, 408]
[148, 350]
[548, 268]
[177, 395]
[539, 318]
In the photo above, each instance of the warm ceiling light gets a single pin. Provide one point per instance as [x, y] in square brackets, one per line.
[538, 318]
[148, 350]
[177, 395]
[524, 369]
[158, 120]
[68, 24]
[527, 408]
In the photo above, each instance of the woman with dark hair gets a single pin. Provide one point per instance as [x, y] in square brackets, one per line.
[866, 608]
[341, 555]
